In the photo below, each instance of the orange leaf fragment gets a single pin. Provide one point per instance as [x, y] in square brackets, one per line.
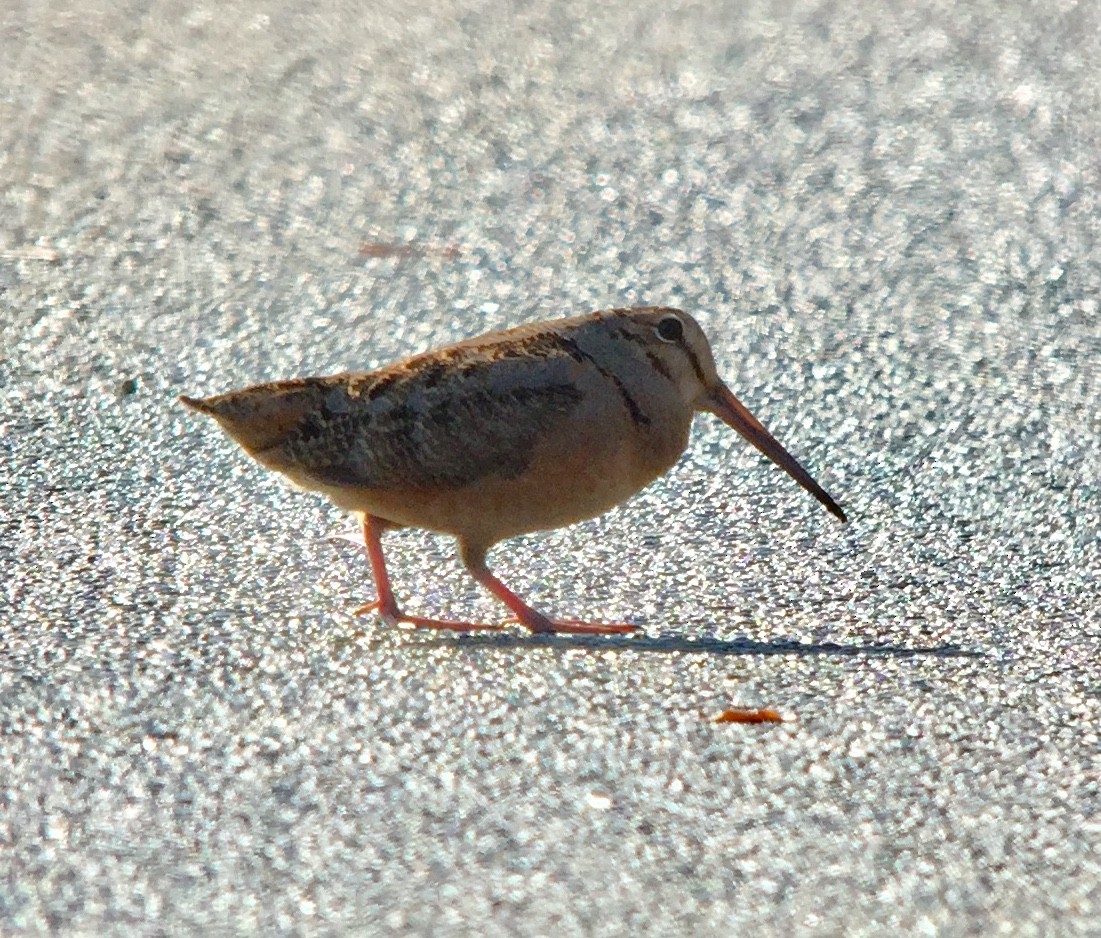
[742, 715]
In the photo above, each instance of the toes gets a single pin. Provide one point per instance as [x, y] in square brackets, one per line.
[538, 624]
[391, 616]
[394, 616]
[574, 627]
[545, 626]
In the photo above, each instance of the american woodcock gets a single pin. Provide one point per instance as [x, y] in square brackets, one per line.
[523, 430]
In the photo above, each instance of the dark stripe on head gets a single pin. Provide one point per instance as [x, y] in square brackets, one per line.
[655, 361]
[695, 364]
[640, 340]
[633, 409]
[658, 365]
[579, 354]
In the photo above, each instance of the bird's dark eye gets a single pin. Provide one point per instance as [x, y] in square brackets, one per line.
[670, 329]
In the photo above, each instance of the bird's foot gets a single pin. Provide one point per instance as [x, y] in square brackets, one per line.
[392, 615]
[543, 625]
[367, 607]
[577, 627]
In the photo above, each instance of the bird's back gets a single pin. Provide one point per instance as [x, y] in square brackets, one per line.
[444, 419]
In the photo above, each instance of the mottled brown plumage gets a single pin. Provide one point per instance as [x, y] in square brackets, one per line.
[516, 431]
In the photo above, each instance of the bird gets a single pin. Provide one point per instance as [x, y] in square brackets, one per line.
[527, 429]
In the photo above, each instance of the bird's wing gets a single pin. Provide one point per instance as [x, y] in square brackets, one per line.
[434, 423]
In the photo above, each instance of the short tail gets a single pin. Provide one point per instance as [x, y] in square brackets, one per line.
[263, 416]
[197, 404]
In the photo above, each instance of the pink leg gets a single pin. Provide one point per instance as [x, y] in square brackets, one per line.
[386, 605]
[475, 561]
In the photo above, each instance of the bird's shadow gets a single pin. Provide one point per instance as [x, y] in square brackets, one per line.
[672, 643]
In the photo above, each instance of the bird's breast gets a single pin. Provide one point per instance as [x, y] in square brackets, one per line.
[590, 464]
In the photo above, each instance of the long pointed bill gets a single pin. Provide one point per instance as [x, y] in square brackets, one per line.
[733, 412]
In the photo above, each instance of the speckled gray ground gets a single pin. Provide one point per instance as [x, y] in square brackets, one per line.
[888, 220]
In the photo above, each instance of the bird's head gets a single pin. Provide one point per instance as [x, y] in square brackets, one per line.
[677, 349]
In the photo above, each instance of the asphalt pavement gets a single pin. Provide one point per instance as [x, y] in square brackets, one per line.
[887, 218]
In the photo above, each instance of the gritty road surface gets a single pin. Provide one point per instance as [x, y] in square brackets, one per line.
[887, 218]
